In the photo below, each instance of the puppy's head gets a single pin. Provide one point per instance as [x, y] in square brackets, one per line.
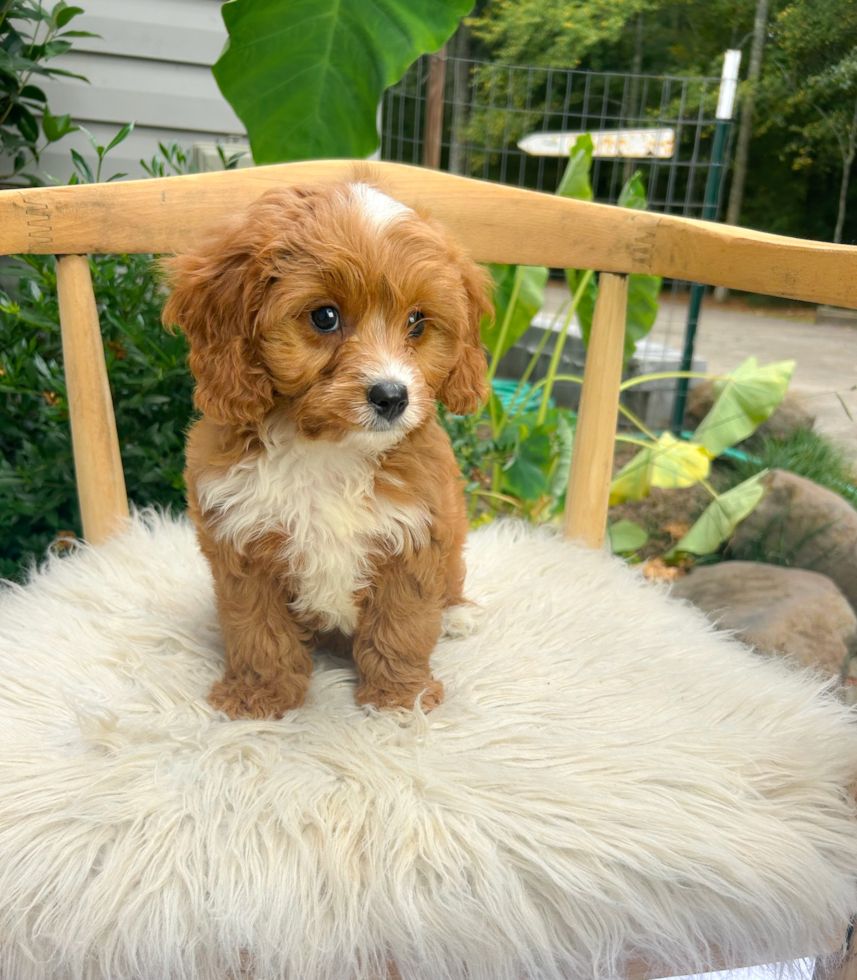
[336, 305]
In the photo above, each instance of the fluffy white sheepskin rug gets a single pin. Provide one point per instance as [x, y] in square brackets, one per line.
[608, 778]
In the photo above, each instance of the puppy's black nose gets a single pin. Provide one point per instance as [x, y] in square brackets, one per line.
[388, 399]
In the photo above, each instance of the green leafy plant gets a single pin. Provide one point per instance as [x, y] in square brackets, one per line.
[172, 159]
[518, 456]
[626, 537]
[744, 400]
[149, 382]
[306, 79]
[83, 172]
[527, 449]
[720, 518]
[663, 461]
[150, 385]
[643, 291]
[31, 35]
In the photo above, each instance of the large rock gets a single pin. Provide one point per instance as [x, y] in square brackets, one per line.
[778, 610]
[805, 526]
[792, 414]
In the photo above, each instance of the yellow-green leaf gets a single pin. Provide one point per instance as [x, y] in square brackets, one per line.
[720, 518]
[743, 400]
[668, 463]
[626, 537]
[575, 181]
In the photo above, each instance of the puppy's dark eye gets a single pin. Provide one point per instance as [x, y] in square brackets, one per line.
[417, 323]
[325, 319]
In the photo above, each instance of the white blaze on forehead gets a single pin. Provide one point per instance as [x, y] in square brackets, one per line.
[377, 207]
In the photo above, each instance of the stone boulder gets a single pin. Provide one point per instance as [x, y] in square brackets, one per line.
[792, 415]
[778, 610]
[806, 526]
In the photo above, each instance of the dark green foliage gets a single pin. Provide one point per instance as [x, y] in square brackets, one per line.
[30, 36]
[522, 470]
[805, 453]
[151, 390]
[472, 444]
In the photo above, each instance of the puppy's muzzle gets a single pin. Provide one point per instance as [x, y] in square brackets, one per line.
[388, 399]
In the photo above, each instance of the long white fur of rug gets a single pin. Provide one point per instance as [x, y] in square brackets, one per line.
[608, 777]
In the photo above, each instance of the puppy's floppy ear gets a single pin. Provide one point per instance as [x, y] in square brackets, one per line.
[465, 388]
[217, 292]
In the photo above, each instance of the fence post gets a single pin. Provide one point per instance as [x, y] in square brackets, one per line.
[434, 110]
[711, 204]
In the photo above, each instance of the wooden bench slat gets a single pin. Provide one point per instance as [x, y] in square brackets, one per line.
[495, 222]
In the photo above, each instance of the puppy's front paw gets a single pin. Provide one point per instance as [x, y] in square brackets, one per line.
[386, 699]
[462, 620]
[239, 699]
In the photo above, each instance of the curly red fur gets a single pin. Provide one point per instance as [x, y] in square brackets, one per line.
[276, 396]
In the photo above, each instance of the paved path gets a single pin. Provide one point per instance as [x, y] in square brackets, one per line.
[826, 355]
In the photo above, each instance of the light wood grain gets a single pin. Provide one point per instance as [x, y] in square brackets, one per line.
[585, 517]
[100, 480]
[496, 223]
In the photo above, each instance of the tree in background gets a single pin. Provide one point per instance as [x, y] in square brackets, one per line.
[811, 89]
[553, 33]
[748, 106]
[803, 126]
[680, 37]
[661, 36]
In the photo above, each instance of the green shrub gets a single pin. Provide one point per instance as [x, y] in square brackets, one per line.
[149, 380]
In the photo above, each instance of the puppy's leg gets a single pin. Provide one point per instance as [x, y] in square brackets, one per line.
[398, 628]
[460, 617]
[268, 663]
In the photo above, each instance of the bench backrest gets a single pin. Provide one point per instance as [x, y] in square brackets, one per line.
[495, 223]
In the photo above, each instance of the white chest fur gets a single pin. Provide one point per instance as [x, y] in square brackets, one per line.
[323, 496]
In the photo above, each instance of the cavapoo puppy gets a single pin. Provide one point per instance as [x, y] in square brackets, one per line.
[323, 326]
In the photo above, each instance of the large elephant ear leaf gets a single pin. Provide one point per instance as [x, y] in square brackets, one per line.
[306, 78]
[643, 293]
[519, 294]
[720, 518]
[576, 184]
[575, 181]
[668, 463]
[744, 399]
